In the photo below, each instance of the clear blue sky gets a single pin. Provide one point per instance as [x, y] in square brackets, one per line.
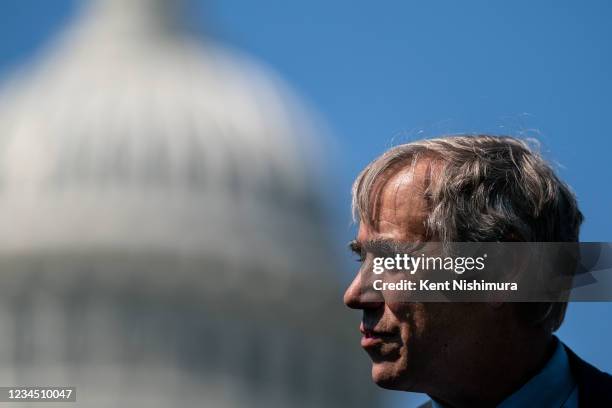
[384, 72]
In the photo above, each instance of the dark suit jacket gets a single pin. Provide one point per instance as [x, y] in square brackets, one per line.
[594, 386]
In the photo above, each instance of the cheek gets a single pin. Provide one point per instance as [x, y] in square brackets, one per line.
[411, 317]
[403, 316]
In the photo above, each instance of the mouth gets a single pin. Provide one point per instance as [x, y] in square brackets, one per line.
[370, 337]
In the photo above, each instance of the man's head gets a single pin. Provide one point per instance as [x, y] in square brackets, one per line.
[455, 189]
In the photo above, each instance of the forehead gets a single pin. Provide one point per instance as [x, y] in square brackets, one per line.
[399, 205]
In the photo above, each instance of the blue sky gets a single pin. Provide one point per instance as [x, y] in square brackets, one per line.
[383, 72]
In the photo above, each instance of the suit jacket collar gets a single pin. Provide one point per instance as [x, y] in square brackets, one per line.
[594, 386]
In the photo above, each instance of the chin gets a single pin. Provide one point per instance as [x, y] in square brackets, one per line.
[389, 376]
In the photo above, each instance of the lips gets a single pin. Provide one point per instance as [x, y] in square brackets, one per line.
[372, 337]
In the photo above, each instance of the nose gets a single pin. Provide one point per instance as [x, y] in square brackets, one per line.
[361, 296]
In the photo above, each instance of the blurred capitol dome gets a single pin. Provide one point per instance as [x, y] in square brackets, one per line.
[162, 243]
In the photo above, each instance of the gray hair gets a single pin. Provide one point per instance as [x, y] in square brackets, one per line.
[482, 188]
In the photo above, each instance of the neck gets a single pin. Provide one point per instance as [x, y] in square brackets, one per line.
[499, 370]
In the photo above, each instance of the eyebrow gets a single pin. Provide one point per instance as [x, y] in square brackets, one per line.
[355, 246]
[382, 247]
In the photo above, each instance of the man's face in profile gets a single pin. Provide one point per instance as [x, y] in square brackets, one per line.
[410, 344]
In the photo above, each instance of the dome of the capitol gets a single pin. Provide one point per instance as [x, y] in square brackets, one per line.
[163, 242]
[126, 107]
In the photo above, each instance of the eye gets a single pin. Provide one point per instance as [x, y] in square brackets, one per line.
[356, 248]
